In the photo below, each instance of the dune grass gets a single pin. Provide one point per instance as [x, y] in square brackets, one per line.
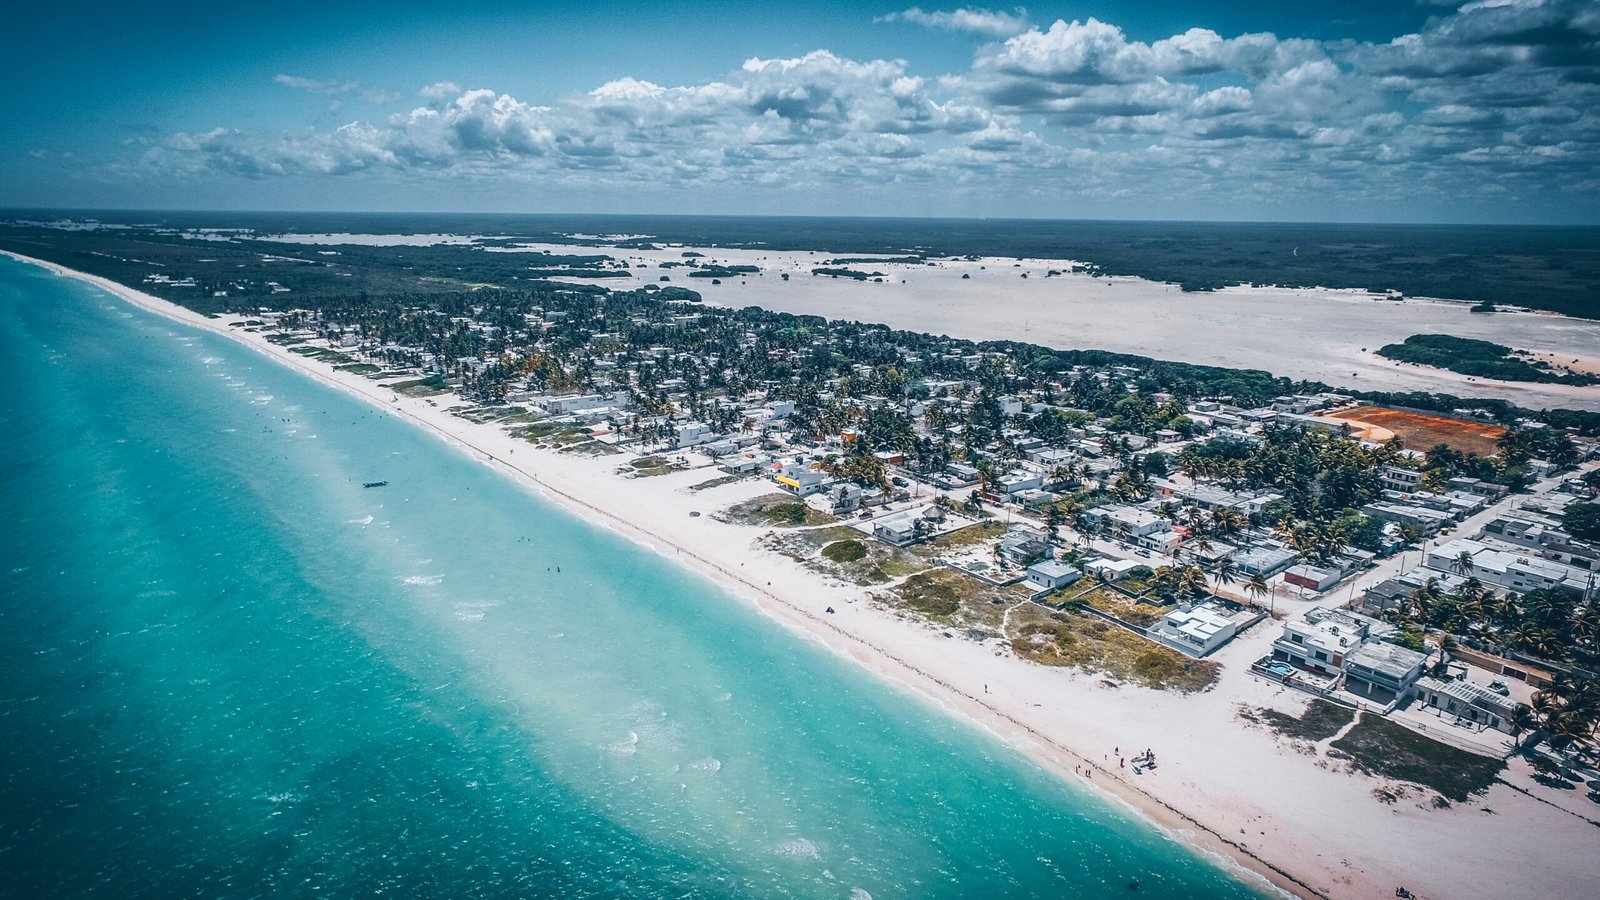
[1082, 641]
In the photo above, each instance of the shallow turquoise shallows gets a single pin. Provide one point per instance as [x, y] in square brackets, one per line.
[229, 670]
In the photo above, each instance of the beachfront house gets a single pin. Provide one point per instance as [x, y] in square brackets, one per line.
[1322, 639]
[1382, 671]
[1200, 628]
[1022, 545]
[1468, 701]
[843, 498]
[1051, 575]
[799, 480]
[692, 433]
[1111, 569]
[897, 530]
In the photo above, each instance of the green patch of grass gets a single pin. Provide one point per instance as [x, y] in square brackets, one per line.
[1136, 585]
[845, 551]
[1076, 590]
[937, 593]
[714, 482]
[431, 386]
[878, 564]
[324, 354]
[1094, 645]
[591, 448]
[1380, 747]
[1320, 721]
[776, 511]
[950, 597]
[976, 533]
[1109, 600]
[360, 368]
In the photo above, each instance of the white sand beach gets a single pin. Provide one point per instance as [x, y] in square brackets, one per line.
[1316, 334]
[1307, 825]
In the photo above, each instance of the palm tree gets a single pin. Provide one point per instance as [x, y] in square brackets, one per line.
[1462, 564]
[1224, 571]
[1191, 581]
[1524, 720]
[1257, 586]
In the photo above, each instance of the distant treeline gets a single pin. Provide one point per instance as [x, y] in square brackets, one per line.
[714, 271]
[234, 276]
[855, 274]
[1480, 359]
[1254, 385]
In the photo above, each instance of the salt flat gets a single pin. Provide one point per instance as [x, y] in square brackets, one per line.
[1315, 334]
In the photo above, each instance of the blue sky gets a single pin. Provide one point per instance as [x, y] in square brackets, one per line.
[1390, 110]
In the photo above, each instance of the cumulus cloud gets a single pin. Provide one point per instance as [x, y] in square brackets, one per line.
[1496, 97]
[986, 22]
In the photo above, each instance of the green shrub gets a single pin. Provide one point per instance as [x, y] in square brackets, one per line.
[845, 551]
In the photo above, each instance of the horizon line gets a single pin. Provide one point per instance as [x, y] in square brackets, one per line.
[780, 216]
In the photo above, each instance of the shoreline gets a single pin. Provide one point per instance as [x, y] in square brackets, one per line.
[1202, 810]
[1173, 823]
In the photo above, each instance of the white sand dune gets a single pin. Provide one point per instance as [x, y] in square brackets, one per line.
[1313, 334]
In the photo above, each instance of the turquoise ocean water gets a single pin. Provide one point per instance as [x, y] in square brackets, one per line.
[228, 670]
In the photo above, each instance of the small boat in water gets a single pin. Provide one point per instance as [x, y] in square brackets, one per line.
[374, 484]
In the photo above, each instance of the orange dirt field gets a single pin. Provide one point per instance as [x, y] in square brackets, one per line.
[1420, 431]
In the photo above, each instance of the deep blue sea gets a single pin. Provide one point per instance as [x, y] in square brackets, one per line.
[229, 670]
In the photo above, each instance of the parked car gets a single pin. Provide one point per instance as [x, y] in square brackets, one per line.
[1499, 687]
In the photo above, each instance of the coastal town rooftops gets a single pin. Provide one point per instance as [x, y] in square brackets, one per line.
[1388, 660]
[1469, 694]
[1054, 568]
[1265, 559]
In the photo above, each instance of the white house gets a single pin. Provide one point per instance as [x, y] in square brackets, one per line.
[1382, 671]
[844, 497]
[1111, 569]
[898, 530]
[1322, 639]
[1198, 629]
[1019, 481]
[692, 433]
[1506, 569]
[1468, 701]
[800, 480]
[1051, 574]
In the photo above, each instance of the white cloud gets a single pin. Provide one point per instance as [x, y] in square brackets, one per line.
[1072, 109]
[318, 86]
[985, 22]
